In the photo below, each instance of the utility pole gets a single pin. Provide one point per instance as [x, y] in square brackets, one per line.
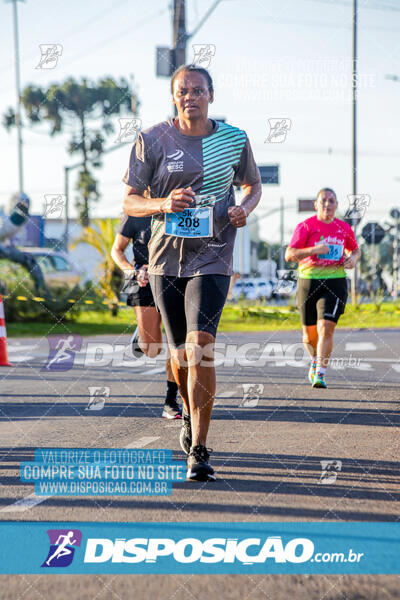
[18, 90]
[396, 278]
[354, 274]
[179, 38]
[169, 59]
[282, 229]
[179, 33]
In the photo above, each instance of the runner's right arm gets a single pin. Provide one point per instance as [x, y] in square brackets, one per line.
[118, 254]
[136, 205]
[296, 254]
[298, 250]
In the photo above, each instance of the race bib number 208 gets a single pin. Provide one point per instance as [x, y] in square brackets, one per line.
[191, 223]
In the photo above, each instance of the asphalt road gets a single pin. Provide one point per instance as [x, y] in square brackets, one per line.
[271, 434]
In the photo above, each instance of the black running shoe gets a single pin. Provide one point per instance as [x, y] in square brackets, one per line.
[185, 437]
[198, 468]
[137, 352]
[171, 410]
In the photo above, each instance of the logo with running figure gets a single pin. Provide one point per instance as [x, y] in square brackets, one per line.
[55, 204]
[286, 284]
[62, 547]
[175, 164]
[330, 470]
[50, 53]
[203, 53]
[251, 394]
[278, 130]
[129, 129]
[98, 397]
[358, 204]
[62, 349]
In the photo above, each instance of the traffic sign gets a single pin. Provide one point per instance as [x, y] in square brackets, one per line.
[373, 233]
[305, 205]
[164, 61]
[269, 174]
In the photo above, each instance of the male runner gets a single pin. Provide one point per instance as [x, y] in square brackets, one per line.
[148, 336]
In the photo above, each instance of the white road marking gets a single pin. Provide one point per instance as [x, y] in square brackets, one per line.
[20, 359]
[227, 394]
[382, 360]
[16, 348]
[33, 500]
[142, 442]
[360, 347]
[396, 367]
[25, 503]
[363, 366]
[154, 371]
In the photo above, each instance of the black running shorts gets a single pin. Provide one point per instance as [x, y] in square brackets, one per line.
[143, 297]
[321, 299]
[189, 303]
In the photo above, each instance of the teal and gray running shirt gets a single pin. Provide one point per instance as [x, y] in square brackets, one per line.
[164, 159]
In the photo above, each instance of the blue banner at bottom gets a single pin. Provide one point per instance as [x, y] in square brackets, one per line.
[208, 548]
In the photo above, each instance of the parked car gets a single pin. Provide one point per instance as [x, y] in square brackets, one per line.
[237, 290]
[57, 268]
[253, 288]
[265, 288]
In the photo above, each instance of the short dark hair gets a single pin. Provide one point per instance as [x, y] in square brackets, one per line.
[326, 190]
[192, 68]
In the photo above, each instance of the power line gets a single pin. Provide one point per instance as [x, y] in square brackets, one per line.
[319, 24]
[119, 34]
[327, 150]
[72, 32]
[380, 6]
[125, 31]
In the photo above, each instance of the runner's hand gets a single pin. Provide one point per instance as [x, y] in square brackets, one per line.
[321, 249]
[142, 276]
[129, 273]
[350, 262]
[237, 216]
[177, 200]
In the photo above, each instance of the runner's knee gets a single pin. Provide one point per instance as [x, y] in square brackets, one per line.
[200, 347]
[178, 356]
[326, 329]
[151, 350]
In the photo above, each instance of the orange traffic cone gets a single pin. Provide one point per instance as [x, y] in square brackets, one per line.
[3, 337]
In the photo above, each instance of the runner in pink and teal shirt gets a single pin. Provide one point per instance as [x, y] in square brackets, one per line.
[323, 246]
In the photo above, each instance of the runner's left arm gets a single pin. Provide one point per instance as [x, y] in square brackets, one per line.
[352, 250]
[248, 177]
[352, 259]
[238, 214]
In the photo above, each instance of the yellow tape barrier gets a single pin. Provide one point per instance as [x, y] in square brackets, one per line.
[71, 300]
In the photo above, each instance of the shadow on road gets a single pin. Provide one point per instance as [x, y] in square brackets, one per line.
[268, 476]
[139, 408]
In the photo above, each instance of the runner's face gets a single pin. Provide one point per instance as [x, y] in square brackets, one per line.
[191, 95]
[326, 205]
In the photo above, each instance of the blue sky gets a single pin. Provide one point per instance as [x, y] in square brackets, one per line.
[288, 59]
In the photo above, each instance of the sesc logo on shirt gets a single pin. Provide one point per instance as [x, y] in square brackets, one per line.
[176, 164]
